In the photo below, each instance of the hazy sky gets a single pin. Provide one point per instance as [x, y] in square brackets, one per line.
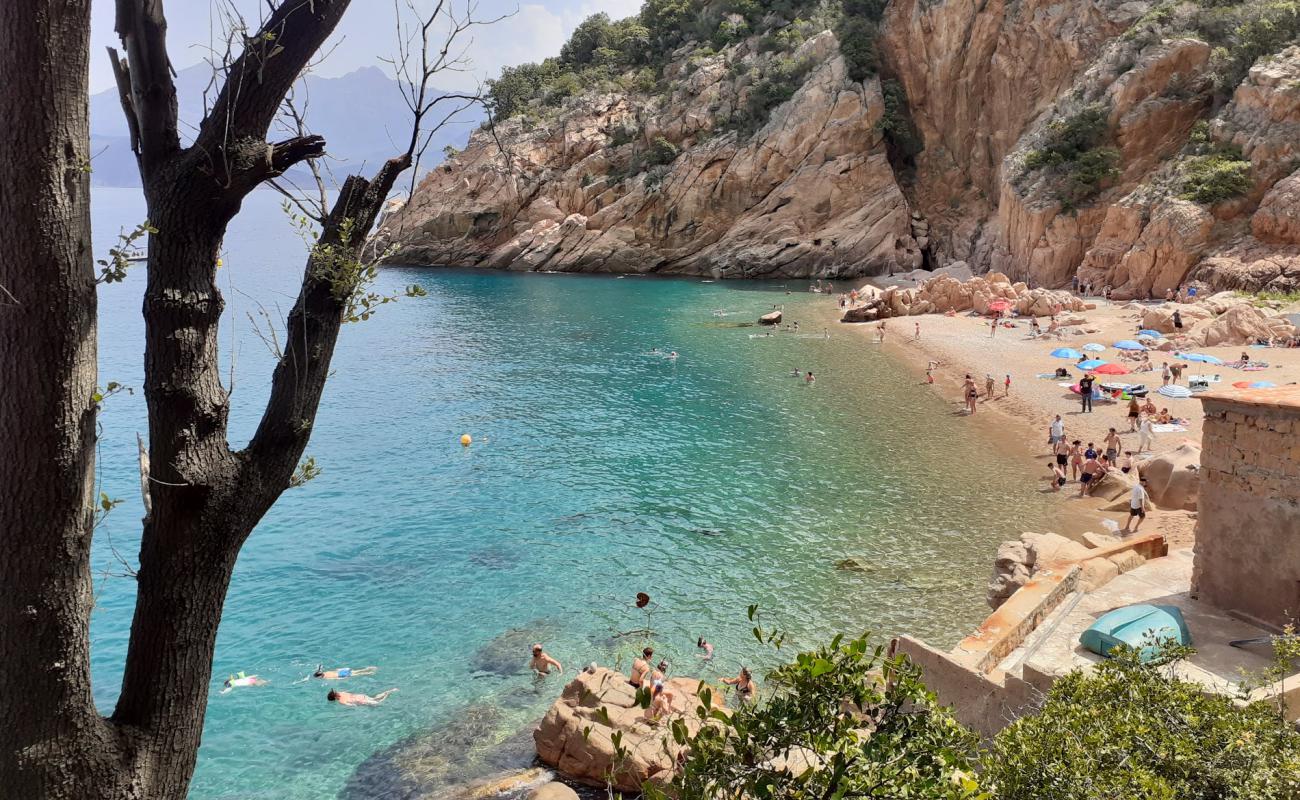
[367, 33]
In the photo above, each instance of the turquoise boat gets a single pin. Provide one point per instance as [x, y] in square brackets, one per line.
[1142, 627]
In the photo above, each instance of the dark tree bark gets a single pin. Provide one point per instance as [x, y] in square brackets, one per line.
[47, 415]
[205, 498]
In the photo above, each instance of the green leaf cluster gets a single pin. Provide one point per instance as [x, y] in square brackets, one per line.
[857, 32]
[1132, 730]
[845, 720]
[1072, 150]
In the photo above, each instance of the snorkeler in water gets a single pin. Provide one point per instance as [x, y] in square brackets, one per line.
[342, 672]
[240, 680]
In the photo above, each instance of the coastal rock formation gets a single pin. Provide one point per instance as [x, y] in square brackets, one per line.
[1036, 139]
[576, 735]
[1019, 560]
[1240, 324]
[1174, 478]
[943, 293]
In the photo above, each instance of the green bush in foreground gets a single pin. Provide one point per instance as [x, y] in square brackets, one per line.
[848, 721]
[863, 720]
[1128, 730]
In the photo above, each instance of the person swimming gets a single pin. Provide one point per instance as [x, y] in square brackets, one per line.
[356, 698]
[706, 647]
[240, 680]
[541, 663]
[672, 356]
[342, 672]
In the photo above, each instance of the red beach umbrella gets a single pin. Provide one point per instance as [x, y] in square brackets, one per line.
[1111, 369]
[999, 305]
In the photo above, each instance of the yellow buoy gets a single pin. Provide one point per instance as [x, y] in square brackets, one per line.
[466, 440]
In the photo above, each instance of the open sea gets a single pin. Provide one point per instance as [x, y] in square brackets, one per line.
[599, 470]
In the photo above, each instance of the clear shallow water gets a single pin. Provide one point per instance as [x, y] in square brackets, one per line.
[598, 471]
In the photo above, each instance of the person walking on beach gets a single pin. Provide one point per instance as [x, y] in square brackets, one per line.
[1134, 411]
[356, 698]
[988, 386]
[1055, 432]
[541, 663]
[993, 327]
[1137, 507]
[1112, 446]
[1092, 472]
[1006, 386]
[1085, 394]
[1061, 452]
[1145, 433]
[972, 394]
[1164, 374]
[880, 332]
[1076, 459]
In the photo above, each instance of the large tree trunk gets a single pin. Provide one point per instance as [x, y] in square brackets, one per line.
[52, 742]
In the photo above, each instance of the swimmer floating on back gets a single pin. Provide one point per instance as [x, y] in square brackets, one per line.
[342, 672]
[242, 680]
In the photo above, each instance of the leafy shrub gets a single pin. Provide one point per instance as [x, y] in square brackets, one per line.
[858, 46]
[661, 151]
[777, 85]
[896, 123]
[1215, 177]
[1072, 149]
[1129, 730]
[865, 719]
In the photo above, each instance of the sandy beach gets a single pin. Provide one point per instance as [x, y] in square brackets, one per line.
[962, 344]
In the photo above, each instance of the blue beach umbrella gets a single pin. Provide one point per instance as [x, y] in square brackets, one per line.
[1175, 391]
[1093, 347]
[1263, 385]
[1149, 334]
[1066, 352]
[1201, 357]
[1091, 363]
[1129, 344]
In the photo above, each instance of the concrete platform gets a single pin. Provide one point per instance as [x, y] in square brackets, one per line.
[1053, 649]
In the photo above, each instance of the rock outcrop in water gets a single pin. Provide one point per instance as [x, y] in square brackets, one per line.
[1132, 142]
[576, 735]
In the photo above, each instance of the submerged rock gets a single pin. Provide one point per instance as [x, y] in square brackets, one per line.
[508, 654]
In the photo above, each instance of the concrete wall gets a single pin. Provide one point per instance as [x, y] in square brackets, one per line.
[1248, 530]
[984, 702]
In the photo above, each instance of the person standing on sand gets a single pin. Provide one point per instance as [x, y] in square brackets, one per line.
[993, 327]
[971, 393]
[988, 386]
[1092, 472]
[1112, 445]
[1006, 386]
[1164, 374]
[918, 332]
[1061, 451]
[1085, 394]
[1145, 433]
[1076, 459]
[1056, 431]
[1134, 411]
[1175, 373]
[1137, 507]
[880, 332]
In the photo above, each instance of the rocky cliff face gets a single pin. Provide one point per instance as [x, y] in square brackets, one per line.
[1094, 137]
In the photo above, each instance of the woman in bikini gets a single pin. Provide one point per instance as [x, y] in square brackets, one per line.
[745, 687]
[1076, 459]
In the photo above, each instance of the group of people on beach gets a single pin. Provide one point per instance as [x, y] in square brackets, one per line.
[1089, 464]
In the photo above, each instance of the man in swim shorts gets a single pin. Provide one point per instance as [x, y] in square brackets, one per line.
[356, 698]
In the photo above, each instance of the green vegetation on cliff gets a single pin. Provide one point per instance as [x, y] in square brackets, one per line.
[1213, 172]
[1072, 152]
[629, 54]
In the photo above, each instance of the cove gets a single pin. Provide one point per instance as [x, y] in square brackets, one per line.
[598, 470]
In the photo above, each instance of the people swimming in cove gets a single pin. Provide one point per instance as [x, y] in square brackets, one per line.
[241, 680]
[342, 672]
[808, 378]
[672, 356]
[356, 698]
[541, 663]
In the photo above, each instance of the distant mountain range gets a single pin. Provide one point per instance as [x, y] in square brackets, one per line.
[361, 115]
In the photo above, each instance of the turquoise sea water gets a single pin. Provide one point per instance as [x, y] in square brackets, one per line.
[598, 471]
